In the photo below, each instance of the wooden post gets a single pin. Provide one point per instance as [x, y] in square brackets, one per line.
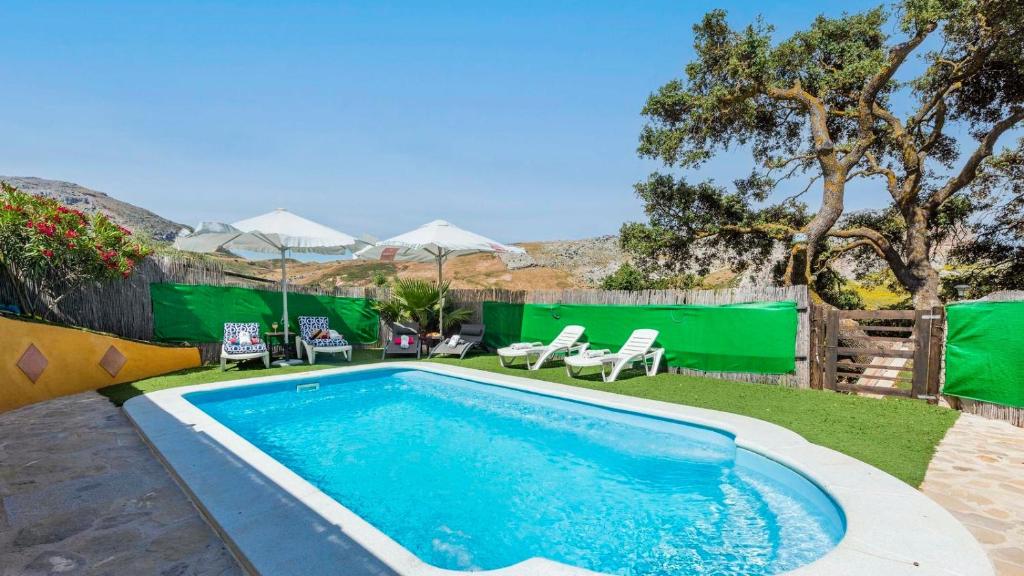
[936, 348]
[831, 349]
[922, 334]
[816, 345]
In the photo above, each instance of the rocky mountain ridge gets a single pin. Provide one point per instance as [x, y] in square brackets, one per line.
[136, 219]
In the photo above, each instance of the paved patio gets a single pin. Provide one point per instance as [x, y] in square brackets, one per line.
[80, 494]
[978, 475]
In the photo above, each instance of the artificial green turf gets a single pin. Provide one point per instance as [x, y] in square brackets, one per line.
[896, 435]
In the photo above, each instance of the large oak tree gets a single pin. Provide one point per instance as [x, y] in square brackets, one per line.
[878, 95]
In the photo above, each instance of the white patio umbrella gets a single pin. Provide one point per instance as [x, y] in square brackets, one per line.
[434, 241]
[279, 232]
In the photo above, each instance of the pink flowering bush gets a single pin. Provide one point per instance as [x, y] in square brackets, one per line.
[49, 249]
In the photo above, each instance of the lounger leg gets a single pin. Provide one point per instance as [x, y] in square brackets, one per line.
[223, 363]
[348, 355]
[653, 369]
[615, 371]
[266, 359]
[384, 353]
[541, 359]
[311, 355]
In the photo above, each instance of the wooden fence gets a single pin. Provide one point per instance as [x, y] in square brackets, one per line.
[125, 308]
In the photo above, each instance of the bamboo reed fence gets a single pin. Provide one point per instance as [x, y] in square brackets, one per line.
[473, 300]
[125, 308]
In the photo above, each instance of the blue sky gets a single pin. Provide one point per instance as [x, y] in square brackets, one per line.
[518, 120]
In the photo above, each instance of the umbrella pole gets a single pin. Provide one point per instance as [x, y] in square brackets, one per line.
[284, 294]
[440, 319]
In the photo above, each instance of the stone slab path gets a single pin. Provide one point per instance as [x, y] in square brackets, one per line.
[978, 475]
[80, 494]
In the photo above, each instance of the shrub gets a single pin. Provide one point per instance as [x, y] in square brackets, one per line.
[419, 300]
[48, 250]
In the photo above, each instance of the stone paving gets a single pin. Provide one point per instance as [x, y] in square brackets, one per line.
[978, 475]
[80, 494]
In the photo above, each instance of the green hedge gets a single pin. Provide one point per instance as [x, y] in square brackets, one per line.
[985, 352]
[186, 313]
[757, 337]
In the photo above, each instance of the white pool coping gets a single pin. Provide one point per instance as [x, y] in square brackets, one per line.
[277, 523]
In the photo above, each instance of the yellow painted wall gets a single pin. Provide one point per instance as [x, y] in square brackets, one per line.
[74, 361]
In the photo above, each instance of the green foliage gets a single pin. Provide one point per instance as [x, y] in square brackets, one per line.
[835, 290]
[49, 249]
[379, 279]
[419, 300]
[991, 257]
[702, 224]
[815, 107]
[628, 277]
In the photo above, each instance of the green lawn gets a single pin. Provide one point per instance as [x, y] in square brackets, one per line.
[896, 435]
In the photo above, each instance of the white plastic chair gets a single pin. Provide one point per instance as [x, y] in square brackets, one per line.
[565, 344]
[638, 348]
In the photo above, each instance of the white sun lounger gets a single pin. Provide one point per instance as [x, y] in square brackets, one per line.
[536, 353]
[638, 348]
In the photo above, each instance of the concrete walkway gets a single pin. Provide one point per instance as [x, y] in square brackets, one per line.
[80, 494]
[978, 475]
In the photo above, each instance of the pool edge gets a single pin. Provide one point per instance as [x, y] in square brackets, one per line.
[891, 528]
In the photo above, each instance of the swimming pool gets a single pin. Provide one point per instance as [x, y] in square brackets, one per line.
[418, 469]
[472, 476]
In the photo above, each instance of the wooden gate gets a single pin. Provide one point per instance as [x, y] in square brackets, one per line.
[890, 352]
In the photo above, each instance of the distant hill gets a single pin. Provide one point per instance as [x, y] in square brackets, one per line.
[138, 220]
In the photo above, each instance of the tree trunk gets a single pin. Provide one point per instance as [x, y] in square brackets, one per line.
[801, 257]
[920, 278]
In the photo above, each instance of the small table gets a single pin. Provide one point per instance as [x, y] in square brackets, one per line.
[281, 350]
[430, 340]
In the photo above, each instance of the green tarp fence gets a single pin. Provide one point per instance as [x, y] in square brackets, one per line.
[187, 313]
[985, 352]
[757, 337]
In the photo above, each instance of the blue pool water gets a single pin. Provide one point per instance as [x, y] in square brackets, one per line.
[472, 476]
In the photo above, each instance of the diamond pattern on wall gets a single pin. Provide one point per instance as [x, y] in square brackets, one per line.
[113, 361]
[32, 363]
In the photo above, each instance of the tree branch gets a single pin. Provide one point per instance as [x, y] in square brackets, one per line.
[869, 95]
[880, 243]
[970, 168]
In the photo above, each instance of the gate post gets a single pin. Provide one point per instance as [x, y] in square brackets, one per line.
[831, 348]
[922, 335]
[936, 349]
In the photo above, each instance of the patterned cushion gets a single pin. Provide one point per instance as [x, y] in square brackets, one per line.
[232, 330]
[308, 325]
[327, 342]
[242, 349]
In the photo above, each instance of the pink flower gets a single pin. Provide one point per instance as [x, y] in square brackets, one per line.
[48, 253]
[71, 234]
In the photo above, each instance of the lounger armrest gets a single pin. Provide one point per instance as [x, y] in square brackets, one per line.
[601, 352]
[578, 348]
